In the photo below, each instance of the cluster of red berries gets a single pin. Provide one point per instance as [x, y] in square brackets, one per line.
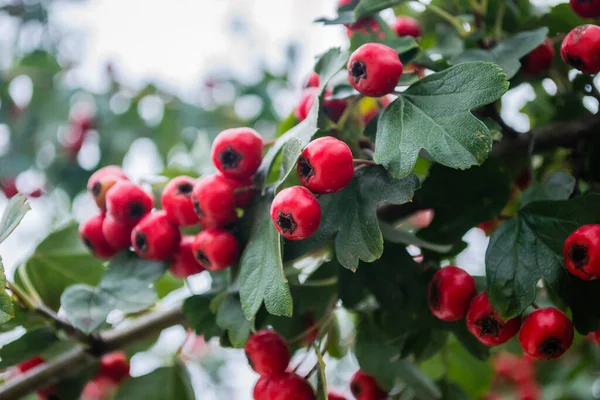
[546, 333]
[514, 374]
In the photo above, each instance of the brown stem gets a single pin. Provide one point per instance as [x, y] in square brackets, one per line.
[244, 189]
[270, 142]
[363, 162]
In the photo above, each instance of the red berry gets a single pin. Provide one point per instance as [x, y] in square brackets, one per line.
[296, 213]
[342, 3]
[176, 200]
[374, 69]
[450, 292]
[214, 201]
[367, 26]
[580, 49]
[407, 26]
[128, 202]
[486, 325]
[546, 333]
[267, 353]
[326, 165]
[155, 237]
[184, 263]
[307, 99]
[101, 181]
[30, 364]
[488, 227]
[116, 233]
[91, 235]
[289, 386]
[524, 179]
[9, 187]
[582, 252]
[237, 152]
[364, 386]
[529, 391]
[114, 366]
[539, 60]
[335, 396]
[260, 388]
[244, 192]
[313, 80]
[98, 389]
[586, 8]
[333, 108]
[215, 249]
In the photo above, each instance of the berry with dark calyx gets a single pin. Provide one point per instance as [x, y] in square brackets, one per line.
[364, 386]
[546, 333]
[244, 192]
[101, 181]
[184, 263]
[296, 213]
[580, 49]
[114, 366]
[586, 8]
[407, 26]
[374, 69]
[538, 60]
[128, 202]
[117, 233]
[237, 152]
[155, 237]
[214, 201]
[176, 200]
[450, 291]
[267, 353]
[260, 388]
[486, 325]
[289, 386]
[91, 235]
[582, 252]
[326, 165]
[313, 80]
[215, 249]
[335, 396]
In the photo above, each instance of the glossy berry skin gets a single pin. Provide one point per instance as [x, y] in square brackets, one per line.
[237, 152]
[155, 237]
[364, 386]
[335, 396]
[101, 181]
[546, 333]
[539, 60]
[184, 263]
[114, 366]
[581, 49]
[333, 108]
[313, 80]
[243, 192]
[374, 69]
[486, 325]
[267, 353]
[128, 202]
[289, 386]
[325, 165]
[215, 249]
[214, 201]
[407, 26]
[450, 291]
[582, 252]
[260, 388]
[586, 8]
[176, 200]
[91, 235]
[116, 233]
[296, 213]
[307, 99]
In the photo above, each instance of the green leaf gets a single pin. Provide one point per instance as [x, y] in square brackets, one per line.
[434, 114]
[29, 345]
[7, 311]
[508, 52]
[13, 214]
[70, 387]
[166, 383]
[558, 186]
[321, 377]
[199, 317]
[230, 318]
[366, 8]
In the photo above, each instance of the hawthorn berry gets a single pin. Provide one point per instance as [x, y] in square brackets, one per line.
[237, 152]
[98, 389]
[582, 252]
[325, 165]
[450, 291]
[215, 249]
[486, 325]
[313, 80]
[214, 201]
[289, 386]
[539, 59]
[9, 187]
[365, 386]
[546, 333]
[586, 8]
[580, 49]
[407, 26]
[114, 366]
[116, 233]
[176, 200]
[335, 396]
[101, 181]
[374, 69]
[260, 388]
[333, 108]
[128, 202]
[184, 263]
[31, 363]
[92, 237]
[267, 353]
[296, 213]
[366, 26]
[307, 99]
[244, 191]
[155, 237]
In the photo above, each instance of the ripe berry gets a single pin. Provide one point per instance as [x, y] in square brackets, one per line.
[91, 235]
[326, 165]
[9, 187]
[374, 69]
[289, 386]
[116, 233]
[364, 386]
[586, 8]
[114, 366]
[582, 252]
[486, 325]
[184, 263]
[342, 3]
[215, 249]
[214, 201]
[538, 60]
[128, 202]
[489, 227]
[30, 364]
[98, 389]
[176, 200]
[260, 388]
[296, 213]
[407, 26]
[546, 333]
[155, 237]
[237, 152]
[307, 99]
[450, 292]
[244, 192]
[333, 108]
[313, 80]
[101, 181]
[267, 353]
[335, 396]
[580, 49]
